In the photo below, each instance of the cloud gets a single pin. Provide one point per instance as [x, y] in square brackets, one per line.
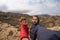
[36, 6]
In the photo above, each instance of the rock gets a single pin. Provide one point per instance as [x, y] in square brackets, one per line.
[57, 22]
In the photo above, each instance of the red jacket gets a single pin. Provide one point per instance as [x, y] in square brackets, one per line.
[24, 30]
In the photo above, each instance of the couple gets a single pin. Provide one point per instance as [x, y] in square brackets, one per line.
[36, 31]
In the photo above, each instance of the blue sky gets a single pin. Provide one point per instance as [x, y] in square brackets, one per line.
[51, 7]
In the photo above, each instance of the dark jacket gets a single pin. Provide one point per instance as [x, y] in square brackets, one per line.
[45, 34]
[41, 33]
[33, 31]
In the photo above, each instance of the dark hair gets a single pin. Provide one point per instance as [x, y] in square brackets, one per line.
[37, 18]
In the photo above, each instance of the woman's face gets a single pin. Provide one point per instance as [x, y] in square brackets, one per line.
[35, 20]
[24, 21]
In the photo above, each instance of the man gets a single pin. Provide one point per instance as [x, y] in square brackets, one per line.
[41, 33]
[34, 28]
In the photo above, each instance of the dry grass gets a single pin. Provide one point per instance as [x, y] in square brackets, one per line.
[55, 28]
[8, 32]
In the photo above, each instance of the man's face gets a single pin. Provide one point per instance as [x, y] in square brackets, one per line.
[35, 20]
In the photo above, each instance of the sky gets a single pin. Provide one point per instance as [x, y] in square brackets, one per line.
[36, 7]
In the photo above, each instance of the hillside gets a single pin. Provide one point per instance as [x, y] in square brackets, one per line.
[45, 20]
[9, 24]
[8, 32]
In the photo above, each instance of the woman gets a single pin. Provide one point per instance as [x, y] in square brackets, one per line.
[24, 29]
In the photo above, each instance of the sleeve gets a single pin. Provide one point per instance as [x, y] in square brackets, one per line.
[54, 37]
